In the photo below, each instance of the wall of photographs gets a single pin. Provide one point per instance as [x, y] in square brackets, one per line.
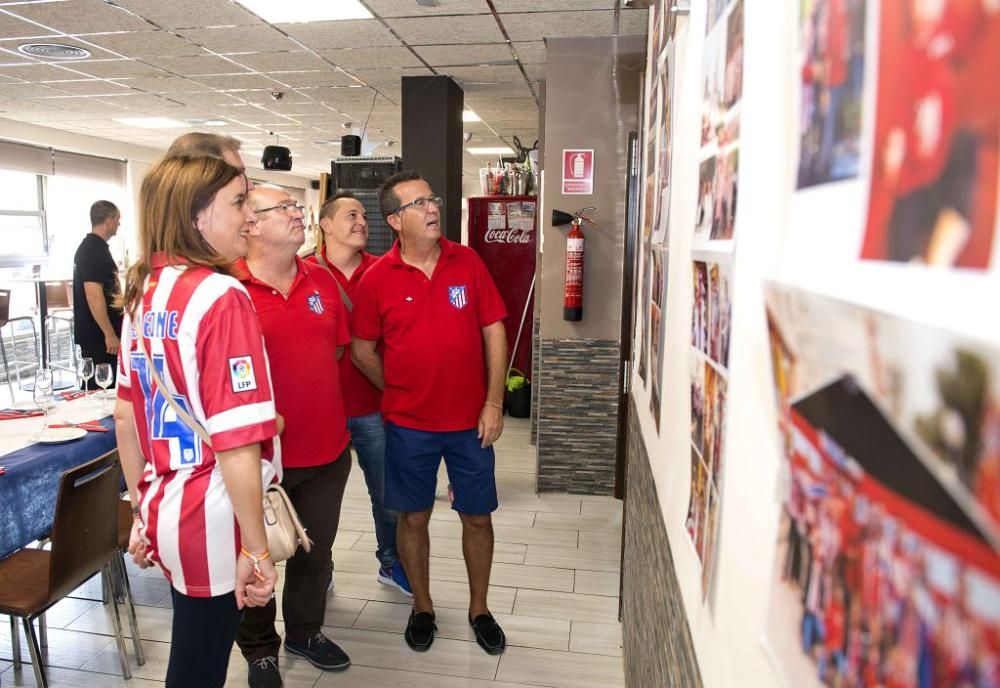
[817, 276]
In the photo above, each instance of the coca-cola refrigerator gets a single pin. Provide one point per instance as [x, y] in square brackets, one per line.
[502, 232]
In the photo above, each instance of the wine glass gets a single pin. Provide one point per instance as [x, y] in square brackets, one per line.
[42, 394]
[103, 379]
[85, 371]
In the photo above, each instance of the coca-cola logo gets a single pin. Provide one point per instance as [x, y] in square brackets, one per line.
[508, 236]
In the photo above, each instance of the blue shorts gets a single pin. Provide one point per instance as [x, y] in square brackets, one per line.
[412, 458]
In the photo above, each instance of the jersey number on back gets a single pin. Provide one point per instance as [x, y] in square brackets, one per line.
[164, 425]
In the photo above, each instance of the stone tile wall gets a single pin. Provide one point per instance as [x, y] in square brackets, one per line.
[577, 419]
[657, 639]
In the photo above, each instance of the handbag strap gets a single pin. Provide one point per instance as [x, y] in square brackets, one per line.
[181, 413]
[321, 259]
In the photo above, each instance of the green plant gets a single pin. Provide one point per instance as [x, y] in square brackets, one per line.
[515, 380]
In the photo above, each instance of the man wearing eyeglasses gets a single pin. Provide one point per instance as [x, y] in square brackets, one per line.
[305, 329]
[439, 317]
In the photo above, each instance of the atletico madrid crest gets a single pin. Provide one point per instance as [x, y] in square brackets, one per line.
[458, 297]
[316, 304]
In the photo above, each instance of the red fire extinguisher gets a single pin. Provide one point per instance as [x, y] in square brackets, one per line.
[573, 292]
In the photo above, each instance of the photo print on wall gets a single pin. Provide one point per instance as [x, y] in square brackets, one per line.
[722, 88]
[887, 567]
[710, 326]
[936, 159]
[832, 64]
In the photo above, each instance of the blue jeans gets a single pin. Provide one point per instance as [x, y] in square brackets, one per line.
[368, 437]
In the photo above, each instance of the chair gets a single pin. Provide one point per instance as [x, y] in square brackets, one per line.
[84, 542]
[59, 305]
[124, 533]
[5, 319]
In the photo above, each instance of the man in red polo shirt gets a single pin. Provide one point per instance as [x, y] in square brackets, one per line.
[341, 247]
[305, 330]
[434, 309]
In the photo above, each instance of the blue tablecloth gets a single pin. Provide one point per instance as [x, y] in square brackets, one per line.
[29, 489]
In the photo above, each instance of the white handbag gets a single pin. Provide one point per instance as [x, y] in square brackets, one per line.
[284, 529]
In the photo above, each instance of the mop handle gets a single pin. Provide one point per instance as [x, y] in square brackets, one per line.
[520, 329]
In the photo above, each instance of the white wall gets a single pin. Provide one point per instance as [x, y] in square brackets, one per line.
[810, 239]
[139, 159]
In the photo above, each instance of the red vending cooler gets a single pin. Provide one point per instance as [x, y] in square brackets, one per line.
[502, 232]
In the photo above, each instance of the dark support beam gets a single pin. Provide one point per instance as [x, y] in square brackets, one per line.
[432, 141]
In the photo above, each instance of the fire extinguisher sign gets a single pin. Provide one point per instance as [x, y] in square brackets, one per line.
[578, 171]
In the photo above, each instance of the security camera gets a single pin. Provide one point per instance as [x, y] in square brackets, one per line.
[347, 125]
[277, 95]
[467, 136]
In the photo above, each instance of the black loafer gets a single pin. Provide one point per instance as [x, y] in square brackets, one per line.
[420, 631]
[489, 635]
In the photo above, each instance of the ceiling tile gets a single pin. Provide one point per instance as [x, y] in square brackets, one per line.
[475, 92]
[553, 5]
[177, 14]
[355, 33]
[169, 84]
[380, 77]
[80, 16]
[119, 69]
[441, 55]
[10, 106]
[372, 58]
[325, 77]
[26, 91]
[484, 74]
[13, 27]
[39, 72]
[205, 99]
[239, 39]
[289, 61]
[530, 52]
[89, 87]
[142, 44]
[151, 103]
[193, 66]
[534, 26]
[237, 82]
[535, 72]
[434, 31]
[409, 8]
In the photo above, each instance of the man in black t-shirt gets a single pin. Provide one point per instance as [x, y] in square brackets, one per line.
[97, 323]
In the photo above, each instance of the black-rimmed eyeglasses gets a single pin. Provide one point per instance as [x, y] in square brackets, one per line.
[287, 208]
[420, 204]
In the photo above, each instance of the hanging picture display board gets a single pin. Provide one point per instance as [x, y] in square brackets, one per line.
[887, 566]
[657, 128]
[713, 245]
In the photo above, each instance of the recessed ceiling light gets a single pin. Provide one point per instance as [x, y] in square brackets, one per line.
[470, 116]
[152, 122]
[53, 51]
[491, 150]
[208, 122]
[298, 11]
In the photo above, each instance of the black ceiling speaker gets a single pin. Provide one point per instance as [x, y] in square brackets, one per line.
[350, 145]
[277, 158]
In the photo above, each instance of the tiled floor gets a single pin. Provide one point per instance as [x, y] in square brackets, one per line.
[554, 589]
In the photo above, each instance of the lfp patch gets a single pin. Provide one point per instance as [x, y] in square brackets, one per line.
[316, 304]
[457, 296]
[241, 374]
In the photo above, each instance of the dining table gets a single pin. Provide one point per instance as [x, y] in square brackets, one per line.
[32, 470]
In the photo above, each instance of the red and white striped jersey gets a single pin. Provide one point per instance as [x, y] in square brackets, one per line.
[201, 332]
